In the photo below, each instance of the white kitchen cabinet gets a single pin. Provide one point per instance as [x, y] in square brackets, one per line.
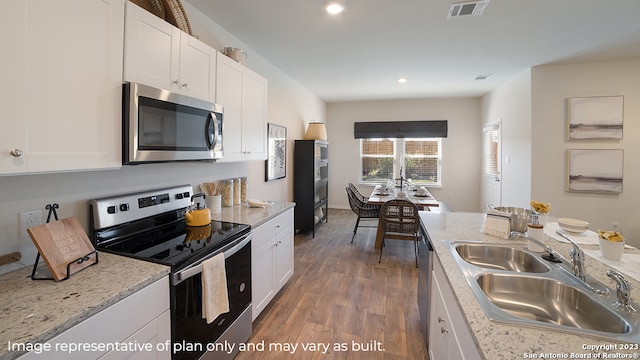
[449, 335]
[142, 317]
[160, 55]
[61, 110]
[272, 259]
[243, 95]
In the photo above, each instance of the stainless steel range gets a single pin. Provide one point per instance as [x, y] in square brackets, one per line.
[150, 226]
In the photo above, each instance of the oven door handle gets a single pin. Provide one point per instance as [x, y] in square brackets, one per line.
[195, 269]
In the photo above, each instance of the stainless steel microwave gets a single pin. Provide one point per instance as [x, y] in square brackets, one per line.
[162, 126]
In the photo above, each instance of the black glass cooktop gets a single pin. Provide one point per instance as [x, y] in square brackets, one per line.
[174, 244]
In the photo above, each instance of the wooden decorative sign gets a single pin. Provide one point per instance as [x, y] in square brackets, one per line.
[62, 243]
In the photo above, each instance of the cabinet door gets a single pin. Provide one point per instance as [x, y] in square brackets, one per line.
[441, 338]
[263, 287]
[229, 95]
[74, 82]
[197, 68]
[254, 110]
[449, 335]
[284, 256]
[151, 50]
[13, 105]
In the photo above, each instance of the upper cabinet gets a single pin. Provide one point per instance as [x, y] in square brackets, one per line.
[158, 54]
[61, 109]
[243, 94]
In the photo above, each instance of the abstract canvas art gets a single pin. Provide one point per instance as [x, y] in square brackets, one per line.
[595, 170]
[598, 117]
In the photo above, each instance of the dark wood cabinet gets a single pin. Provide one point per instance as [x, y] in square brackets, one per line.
[311, 183]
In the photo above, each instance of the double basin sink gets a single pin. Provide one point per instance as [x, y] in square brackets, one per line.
[515, 285]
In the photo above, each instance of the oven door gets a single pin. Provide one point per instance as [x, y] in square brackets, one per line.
[163, 126]
[190, 333]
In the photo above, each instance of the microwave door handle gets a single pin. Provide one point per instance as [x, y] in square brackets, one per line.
[212, 141]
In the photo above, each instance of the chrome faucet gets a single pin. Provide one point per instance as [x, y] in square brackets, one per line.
[623, 291]
[576, 261]
[577, 258]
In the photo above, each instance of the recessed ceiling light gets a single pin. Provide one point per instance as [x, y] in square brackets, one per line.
[334, 7]
[402, 80]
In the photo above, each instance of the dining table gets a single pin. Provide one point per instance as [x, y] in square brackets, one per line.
[423, 199]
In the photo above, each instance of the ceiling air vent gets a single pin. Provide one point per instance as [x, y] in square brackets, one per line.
[467, 8]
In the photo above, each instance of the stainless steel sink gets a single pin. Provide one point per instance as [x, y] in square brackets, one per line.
[514, 285]
[499, 257]
[550, 301]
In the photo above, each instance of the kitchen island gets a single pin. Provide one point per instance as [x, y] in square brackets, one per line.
[495, 340]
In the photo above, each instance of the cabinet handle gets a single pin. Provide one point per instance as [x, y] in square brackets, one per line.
[16, 152]
[185, 84]
[440, 320]
[176, 81]
[443, 330]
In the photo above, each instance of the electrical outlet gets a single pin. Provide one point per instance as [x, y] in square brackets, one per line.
[29, 219]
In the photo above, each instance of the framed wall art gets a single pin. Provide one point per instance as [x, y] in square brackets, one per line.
[596, 171]
[597, 117]
[276, 163]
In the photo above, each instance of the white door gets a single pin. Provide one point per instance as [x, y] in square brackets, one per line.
[492, 165]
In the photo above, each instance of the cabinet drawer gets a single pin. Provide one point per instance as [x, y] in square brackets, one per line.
[269, 229]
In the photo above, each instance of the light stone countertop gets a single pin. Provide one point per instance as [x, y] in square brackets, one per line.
[35, 311]
[503, 341]
[253, 216]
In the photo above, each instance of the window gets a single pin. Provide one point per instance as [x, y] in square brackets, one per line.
[377, 157]
[418, 159]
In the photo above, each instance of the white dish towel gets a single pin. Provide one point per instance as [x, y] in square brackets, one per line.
[215, 298]
[497, 224]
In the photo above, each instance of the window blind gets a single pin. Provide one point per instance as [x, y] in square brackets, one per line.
[400, 129]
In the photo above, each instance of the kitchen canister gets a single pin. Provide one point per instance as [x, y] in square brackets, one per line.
[214, 203]
[535, 231]
[227, 192]
[244, 189]
[237, 198]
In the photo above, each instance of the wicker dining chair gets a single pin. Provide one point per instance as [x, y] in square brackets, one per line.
[361, 208]
[400, 220]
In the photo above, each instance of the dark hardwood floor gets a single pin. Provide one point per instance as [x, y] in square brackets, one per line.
[341, 297]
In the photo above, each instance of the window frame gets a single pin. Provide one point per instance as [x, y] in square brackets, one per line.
[399, 157]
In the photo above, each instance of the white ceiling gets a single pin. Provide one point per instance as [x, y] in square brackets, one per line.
[360, 53]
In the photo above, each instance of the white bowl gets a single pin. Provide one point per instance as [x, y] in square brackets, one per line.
[573, 225]
[610, 249]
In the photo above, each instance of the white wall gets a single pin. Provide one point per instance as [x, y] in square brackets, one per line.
[551, 86]
[289, 104]
[460, 156]
[511, 105]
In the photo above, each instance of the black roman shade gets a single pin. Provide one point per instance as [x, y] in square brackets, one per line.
[400, 129]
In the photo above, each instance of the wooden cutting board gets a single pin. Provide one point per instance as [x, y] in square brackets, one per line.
[60, 243]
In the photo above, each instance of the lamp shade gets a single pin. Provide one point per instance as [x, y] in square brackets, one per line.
[316, 131]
